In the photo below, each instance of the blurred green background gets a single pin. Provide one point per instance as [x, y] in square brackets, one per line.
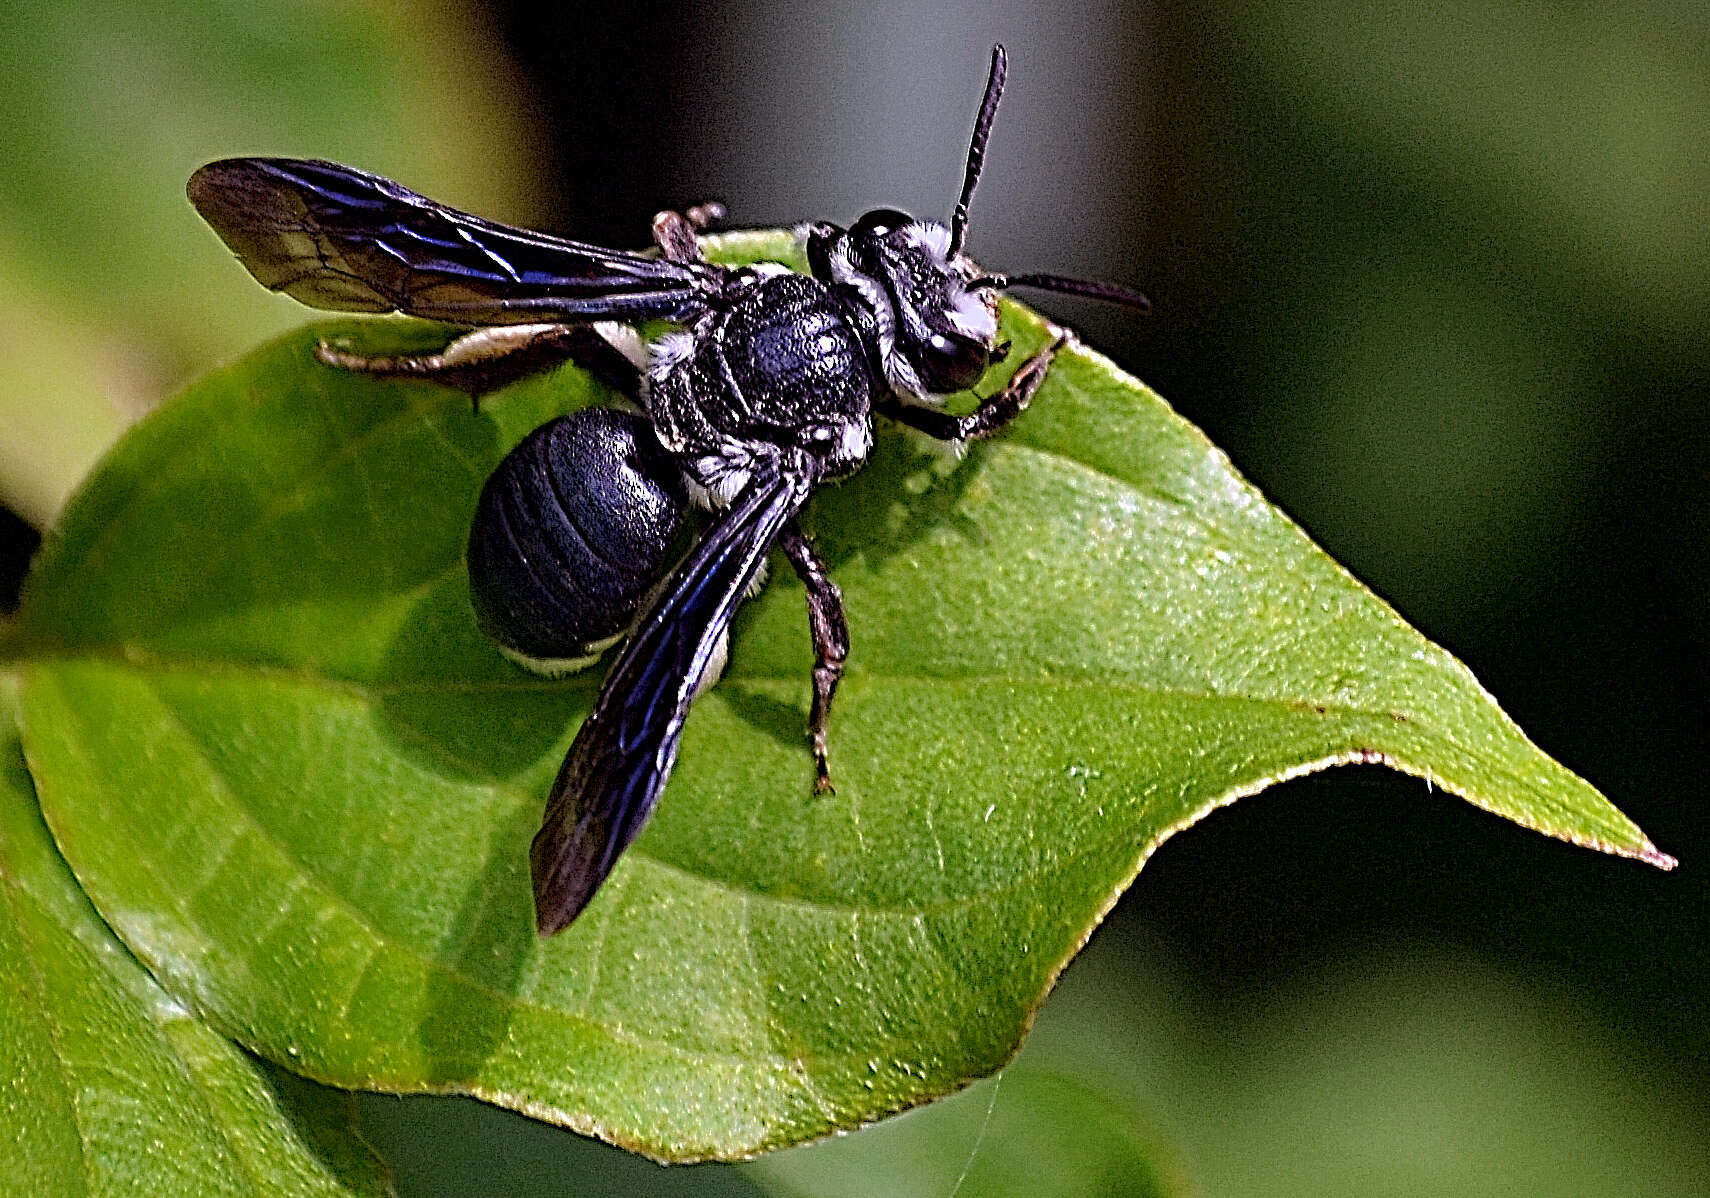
[1437, 277]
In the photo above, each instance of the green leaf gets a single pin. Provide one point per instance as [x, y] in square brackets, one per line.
[301, 786]
[114, 1088]
[1389, 1069]
[1031, 1132]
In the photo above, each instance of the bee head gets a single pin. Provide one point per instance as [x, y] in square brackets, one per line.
[934, 312]
[935, 331]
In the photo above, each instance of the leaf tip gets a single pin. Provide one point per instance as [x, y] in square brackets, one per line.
[1650, 854]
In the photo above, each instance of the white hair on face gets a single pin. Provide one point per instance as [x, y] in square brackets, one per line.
[844, 271]
[930, 236]
[904, 380]
[898, 373]
[973, 313]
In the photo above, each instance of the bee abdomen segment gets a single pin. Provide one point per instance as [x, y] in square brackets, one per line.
[572, 532]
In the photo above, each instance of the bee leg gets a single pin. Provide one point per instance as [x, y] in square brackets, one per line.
[705, 216]
[490, 358]
[674, 232]
[830, 641]
[675, 235]
[992, 414]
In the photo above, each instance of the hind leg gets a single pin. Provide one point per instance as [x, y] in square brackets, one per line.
[490, 358]
[830, 631]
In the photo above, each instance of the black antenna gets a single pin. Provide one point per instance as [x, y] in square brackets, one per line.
[977, 147]
[1110, 293]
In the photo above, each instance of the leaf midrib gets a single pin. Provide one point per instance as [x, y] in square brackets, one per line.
[370, 696]
[146, 659]
[1143, 850]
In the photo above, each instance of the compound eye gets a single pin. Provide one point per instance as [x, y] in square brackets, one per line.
[880, 221]
[951, 363]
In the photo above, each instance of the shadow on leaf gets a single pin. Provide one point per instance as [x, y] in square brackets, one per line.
[459, 708]
[470, 1001]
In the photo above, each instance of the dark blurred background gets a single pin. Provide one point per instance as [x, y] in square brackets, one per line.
[1434, 276]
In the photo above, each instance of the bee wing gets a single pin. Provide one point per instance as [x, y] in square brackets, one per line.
[623, 754]
[332, 236]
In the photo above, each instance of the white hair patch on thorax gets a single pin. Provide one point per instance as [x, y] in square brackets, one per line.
[715, 480]
[856, 442]
[669, 352]
[626, 341]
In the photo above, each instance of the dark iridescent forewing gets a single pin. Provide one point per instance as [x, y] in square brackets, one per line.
[623, 753]
[336, 237]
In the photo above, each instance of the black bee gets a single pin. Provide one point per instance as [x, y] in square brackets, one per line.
[767, 390]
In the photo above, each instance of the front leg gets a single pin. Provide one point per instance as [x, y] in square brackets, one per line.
[830, 641]
[992, 414]
[674, 232]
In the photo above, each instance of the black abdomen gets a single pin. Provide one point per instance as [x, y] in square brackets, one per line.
[572, 532]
